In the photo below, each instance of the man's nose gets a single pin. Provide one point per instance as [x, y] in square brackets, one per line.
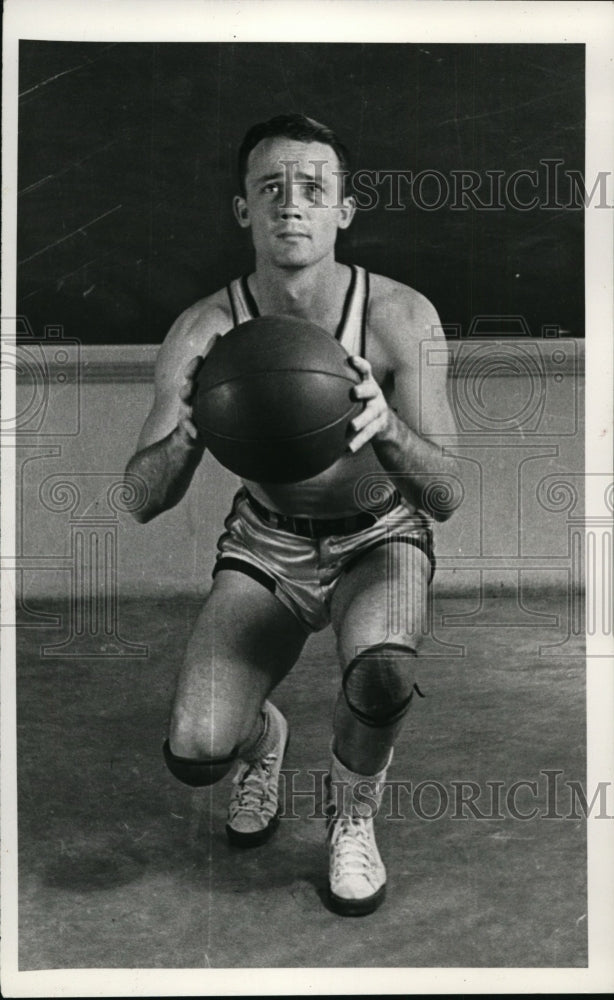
[289, 206]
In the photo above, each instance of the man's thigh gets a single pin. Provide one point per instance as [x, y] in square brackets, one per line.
[382, 599]
[243, 643]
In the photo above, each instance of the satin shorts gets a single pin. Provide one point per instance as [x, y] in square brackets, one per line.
[302, 572]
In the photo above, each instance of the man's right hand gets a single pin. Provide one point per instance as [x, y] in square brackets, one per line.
[185, 423]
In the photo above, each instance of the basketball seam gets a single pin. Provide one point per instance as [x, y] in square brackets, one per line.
[287, 437]
[277, 371]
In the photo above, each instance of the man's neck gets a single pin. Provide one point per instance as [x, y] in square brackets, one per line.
[316, 293]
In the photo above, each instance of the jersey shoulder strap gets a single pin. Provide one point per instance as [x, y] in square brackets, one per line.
[242, 302]
[352, 329]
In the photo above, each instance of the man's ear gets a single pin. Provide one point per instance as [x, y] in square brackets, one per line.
[241, 211]
[347, 211]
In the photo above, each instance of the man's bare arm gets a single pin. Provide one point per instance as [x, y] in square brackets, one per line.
[163, 471]
[169, 448]
[407, 440]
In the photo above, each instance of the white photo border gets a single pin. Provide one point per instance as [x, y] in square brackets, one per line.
[371, 21]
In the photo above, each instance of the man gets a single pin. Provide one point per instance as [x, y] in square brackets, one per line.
[295, 557]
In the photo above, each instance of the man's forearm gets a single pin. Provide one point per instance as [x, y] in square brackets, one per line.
[418, 467]
[166, 469]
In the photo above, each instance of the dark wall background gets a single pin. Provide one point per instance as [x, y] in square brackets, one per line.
[127, 170]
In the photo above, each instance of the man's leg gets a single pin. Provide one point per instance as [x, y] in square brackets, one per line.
[244, 642]
[377, 615]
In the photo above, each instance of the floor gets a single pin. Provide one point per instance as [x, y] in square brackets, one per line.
[121, 866]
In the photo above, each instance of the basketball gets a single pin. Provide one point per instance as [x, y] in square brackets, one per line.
[273, 400]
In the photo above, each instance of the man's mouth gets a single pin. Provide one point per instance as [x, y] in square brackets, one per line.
[291, 234]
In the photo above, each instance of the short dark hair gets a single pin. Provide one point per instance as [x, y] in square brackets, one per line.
[292, 126]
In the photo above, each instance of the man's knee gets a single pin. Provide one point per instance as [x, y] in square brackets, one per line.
[197, 771]
[197, 752]
[380, 682]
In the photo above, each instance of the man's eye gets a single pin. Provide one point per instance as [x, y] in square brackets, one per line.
[271, 188]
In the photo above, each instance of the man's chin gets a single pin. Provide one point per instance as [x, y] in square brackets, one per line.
[293, 260]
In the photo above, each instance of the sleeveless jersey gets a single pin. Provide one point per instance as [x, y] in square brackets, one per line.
[352, 329]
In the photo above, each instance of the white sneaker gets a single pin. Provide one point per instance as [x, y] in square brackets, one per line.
[357, 876]
[253, 811]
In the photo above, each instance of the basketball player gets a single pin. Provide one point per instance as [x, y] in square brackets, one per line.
[295, 557]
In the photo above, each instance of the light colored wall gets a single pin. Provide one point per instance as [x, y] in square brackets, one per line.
[81, 431]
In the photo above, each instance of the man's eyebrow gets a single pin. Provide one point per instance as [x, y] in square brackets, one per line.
[268, 177]
[281, 175]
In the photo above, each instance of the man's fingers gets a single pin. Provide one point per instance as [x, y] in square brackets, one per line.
[193, 366]
[186, 391]
[361, 365]
[366, 390]
[211, 344]
[188, 430]
[368, 432]
[371, 420]
[370, 412]
[361, 439]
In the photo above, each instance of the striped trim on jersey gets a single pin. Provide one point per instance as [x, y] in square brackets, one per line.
[352, 328]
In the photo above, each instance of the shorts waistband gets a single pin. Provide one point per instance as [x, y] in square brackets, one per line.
[318, 527]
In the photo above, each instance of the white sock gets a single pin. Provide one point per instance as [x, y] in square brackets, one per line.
[352, 794]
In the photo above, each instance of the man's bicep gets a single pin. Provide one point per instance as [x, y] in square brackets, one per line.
[421, 391]
[420, 400]
[436, 418]
[169, 377]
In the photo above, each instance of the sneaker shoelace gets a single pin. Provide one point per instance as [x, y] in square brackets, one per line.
[252, 787]
[353, 847]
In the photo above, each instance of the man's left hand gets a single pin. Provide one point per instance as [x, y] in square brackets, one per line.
[374, 420]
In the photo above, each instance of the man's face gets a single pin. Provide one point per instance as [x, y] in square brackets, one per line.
[293, 202]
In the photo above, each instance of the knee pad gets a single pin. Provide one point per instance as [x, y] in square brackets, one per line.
[379, 684]
[197, 772]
